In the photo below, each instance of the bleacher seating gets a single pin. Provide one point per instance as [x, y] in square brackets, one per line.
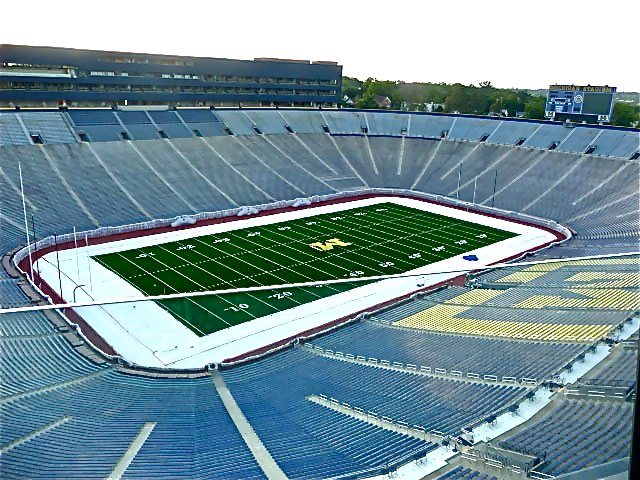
[237, 122]
[620, 371]
[522, 312]
[11, 295]
[285, 165]
[546, 135]
[33, 362]
[601, 204]
[141, 181]
[466, 354]
[577, 434]
[617, 143]
[265, 178]
[90, 413]
[621, 272]
[12, 131]
[202, 122]
[461, 473]
[25, 323]
[510, 133]
[266, 122]
[344, 122]
[579, 139]
[302, 121]
[193, 435]
[98, 125]
[169, 123]
[138, 125]
[389, 124]
[472, 129]
[430, 126]
[434, 404]
[49, 126]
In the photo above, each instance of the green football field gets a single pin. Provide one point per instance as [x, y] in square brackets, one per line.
[379, 239]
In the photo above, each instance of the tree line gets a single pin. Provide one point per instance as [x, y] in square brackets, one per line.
[483, 99]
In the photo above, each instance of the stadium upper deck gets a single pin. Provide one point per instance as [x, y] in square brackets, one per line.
[50, 76]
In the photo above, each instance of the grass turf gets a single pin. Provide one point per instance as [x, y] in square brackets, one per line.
[379, 239]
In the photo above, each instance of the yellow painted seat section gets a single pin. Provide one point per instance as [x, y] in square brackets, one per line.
[521, 277]
[442, 318]
[475, 297]
[607, 279]
[600, 298]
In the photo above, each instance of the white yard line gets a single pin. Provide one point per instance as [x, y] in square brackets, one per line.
[174, 290]
[282, 267]
[242, 275]
[204, 288]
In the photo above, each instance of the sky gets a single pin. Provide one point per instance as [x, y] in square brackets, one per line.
[512, 43]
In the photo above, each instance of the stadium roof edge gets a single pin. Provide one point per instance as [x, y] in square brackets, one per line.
[167, 55]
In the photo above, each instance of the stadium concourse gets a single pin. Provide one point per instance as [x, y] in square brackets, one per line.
[523, 371]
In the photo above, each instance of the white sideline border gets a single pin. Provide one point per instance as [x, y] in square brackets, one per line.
[146, 335]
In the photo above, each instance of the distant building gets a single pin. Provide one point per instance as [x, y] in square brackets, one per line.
[348, 101]
[50, 76]
[383, 102]
[434, 107]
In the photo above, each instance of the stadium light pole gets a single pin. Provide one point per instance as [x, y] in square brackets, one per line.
[475, 183]
[86, 243]
[35, 243]
[26, 225]
[55, 239]
[75, 247]
[495, 182]
[458, 189]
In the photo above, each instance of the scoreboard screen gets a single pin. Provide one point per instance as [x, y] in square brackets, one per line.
[580, 103]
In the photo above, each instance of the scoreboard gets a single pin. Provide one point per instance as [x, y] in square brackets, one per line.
[580, 103]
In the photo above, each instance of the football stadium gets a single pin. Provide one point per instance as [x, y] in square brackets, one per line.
[243, 281]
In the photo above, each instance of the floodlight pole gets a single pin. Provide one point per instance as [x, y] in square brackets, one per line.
[475, 182]
[86, 243]
[495, 182]
[35, 243]
[75, 245]
[55, 239]
[26, 225]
